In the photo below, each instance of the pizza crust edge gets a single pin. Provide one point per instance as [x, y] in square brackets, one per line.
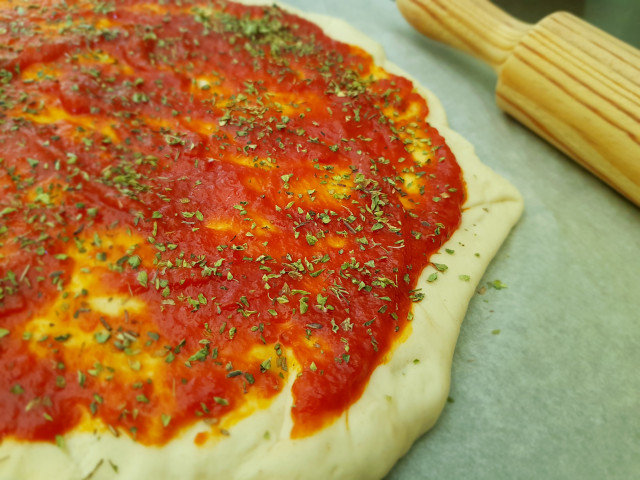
[404, 396]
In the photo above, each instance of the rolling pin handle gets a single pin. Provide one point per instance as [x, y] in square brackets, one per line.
[476, 27]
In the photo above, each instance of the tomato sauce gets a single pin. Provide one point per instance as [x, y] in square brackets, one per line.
[197, 203]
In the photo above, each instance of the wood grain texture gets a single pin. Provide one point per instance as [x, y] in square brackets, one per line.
[475, 27]
[578, 89]
[571, 83]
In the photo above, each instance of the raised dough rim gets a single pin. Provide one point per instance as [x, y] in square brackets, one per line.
[403, 398]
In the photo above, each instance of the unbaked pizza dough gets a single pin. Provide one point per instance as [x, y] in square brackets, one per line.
[402, 400]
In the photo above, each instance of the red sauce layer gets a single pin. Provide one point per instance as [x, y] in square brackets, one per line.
[261, 196]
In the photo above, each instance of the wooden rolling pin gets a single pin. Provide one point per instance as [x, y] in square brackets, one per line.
[571, 83]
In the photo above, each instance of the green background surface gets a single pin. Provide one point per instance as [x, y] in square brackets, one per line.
[556, 393]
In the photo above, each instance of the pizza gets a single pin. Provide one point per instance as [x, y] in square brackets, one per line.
[235, 242]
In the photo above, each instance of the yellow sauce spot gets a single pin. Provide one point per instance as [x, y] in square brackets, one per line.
[408, 203]
[258, 353]
[420, 152]
[209, 87]
[104, 23]
[224, 225]
[411, 113]
[290, 104]
[254, 224]
[378, 72]
[243, 160]
[412, 183]
[74, 311]
[148, 8]
[54, 114]
[116, 305]
[251, 162]
[45, 194]
[39, 71]
[301, 184]
[89, 424]
[335, 241]
[159, 122]
[98, 56]
[200, 126]
[94, 56]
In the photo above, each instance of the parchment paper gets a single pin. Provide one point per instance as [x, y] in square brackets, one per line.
[546, 374]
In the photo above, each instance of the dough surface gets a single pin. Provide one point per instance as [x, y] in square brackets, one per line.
[402, 400]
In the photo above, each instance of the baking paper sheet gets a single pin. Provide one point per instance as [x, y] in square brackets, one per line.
[546, 374]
